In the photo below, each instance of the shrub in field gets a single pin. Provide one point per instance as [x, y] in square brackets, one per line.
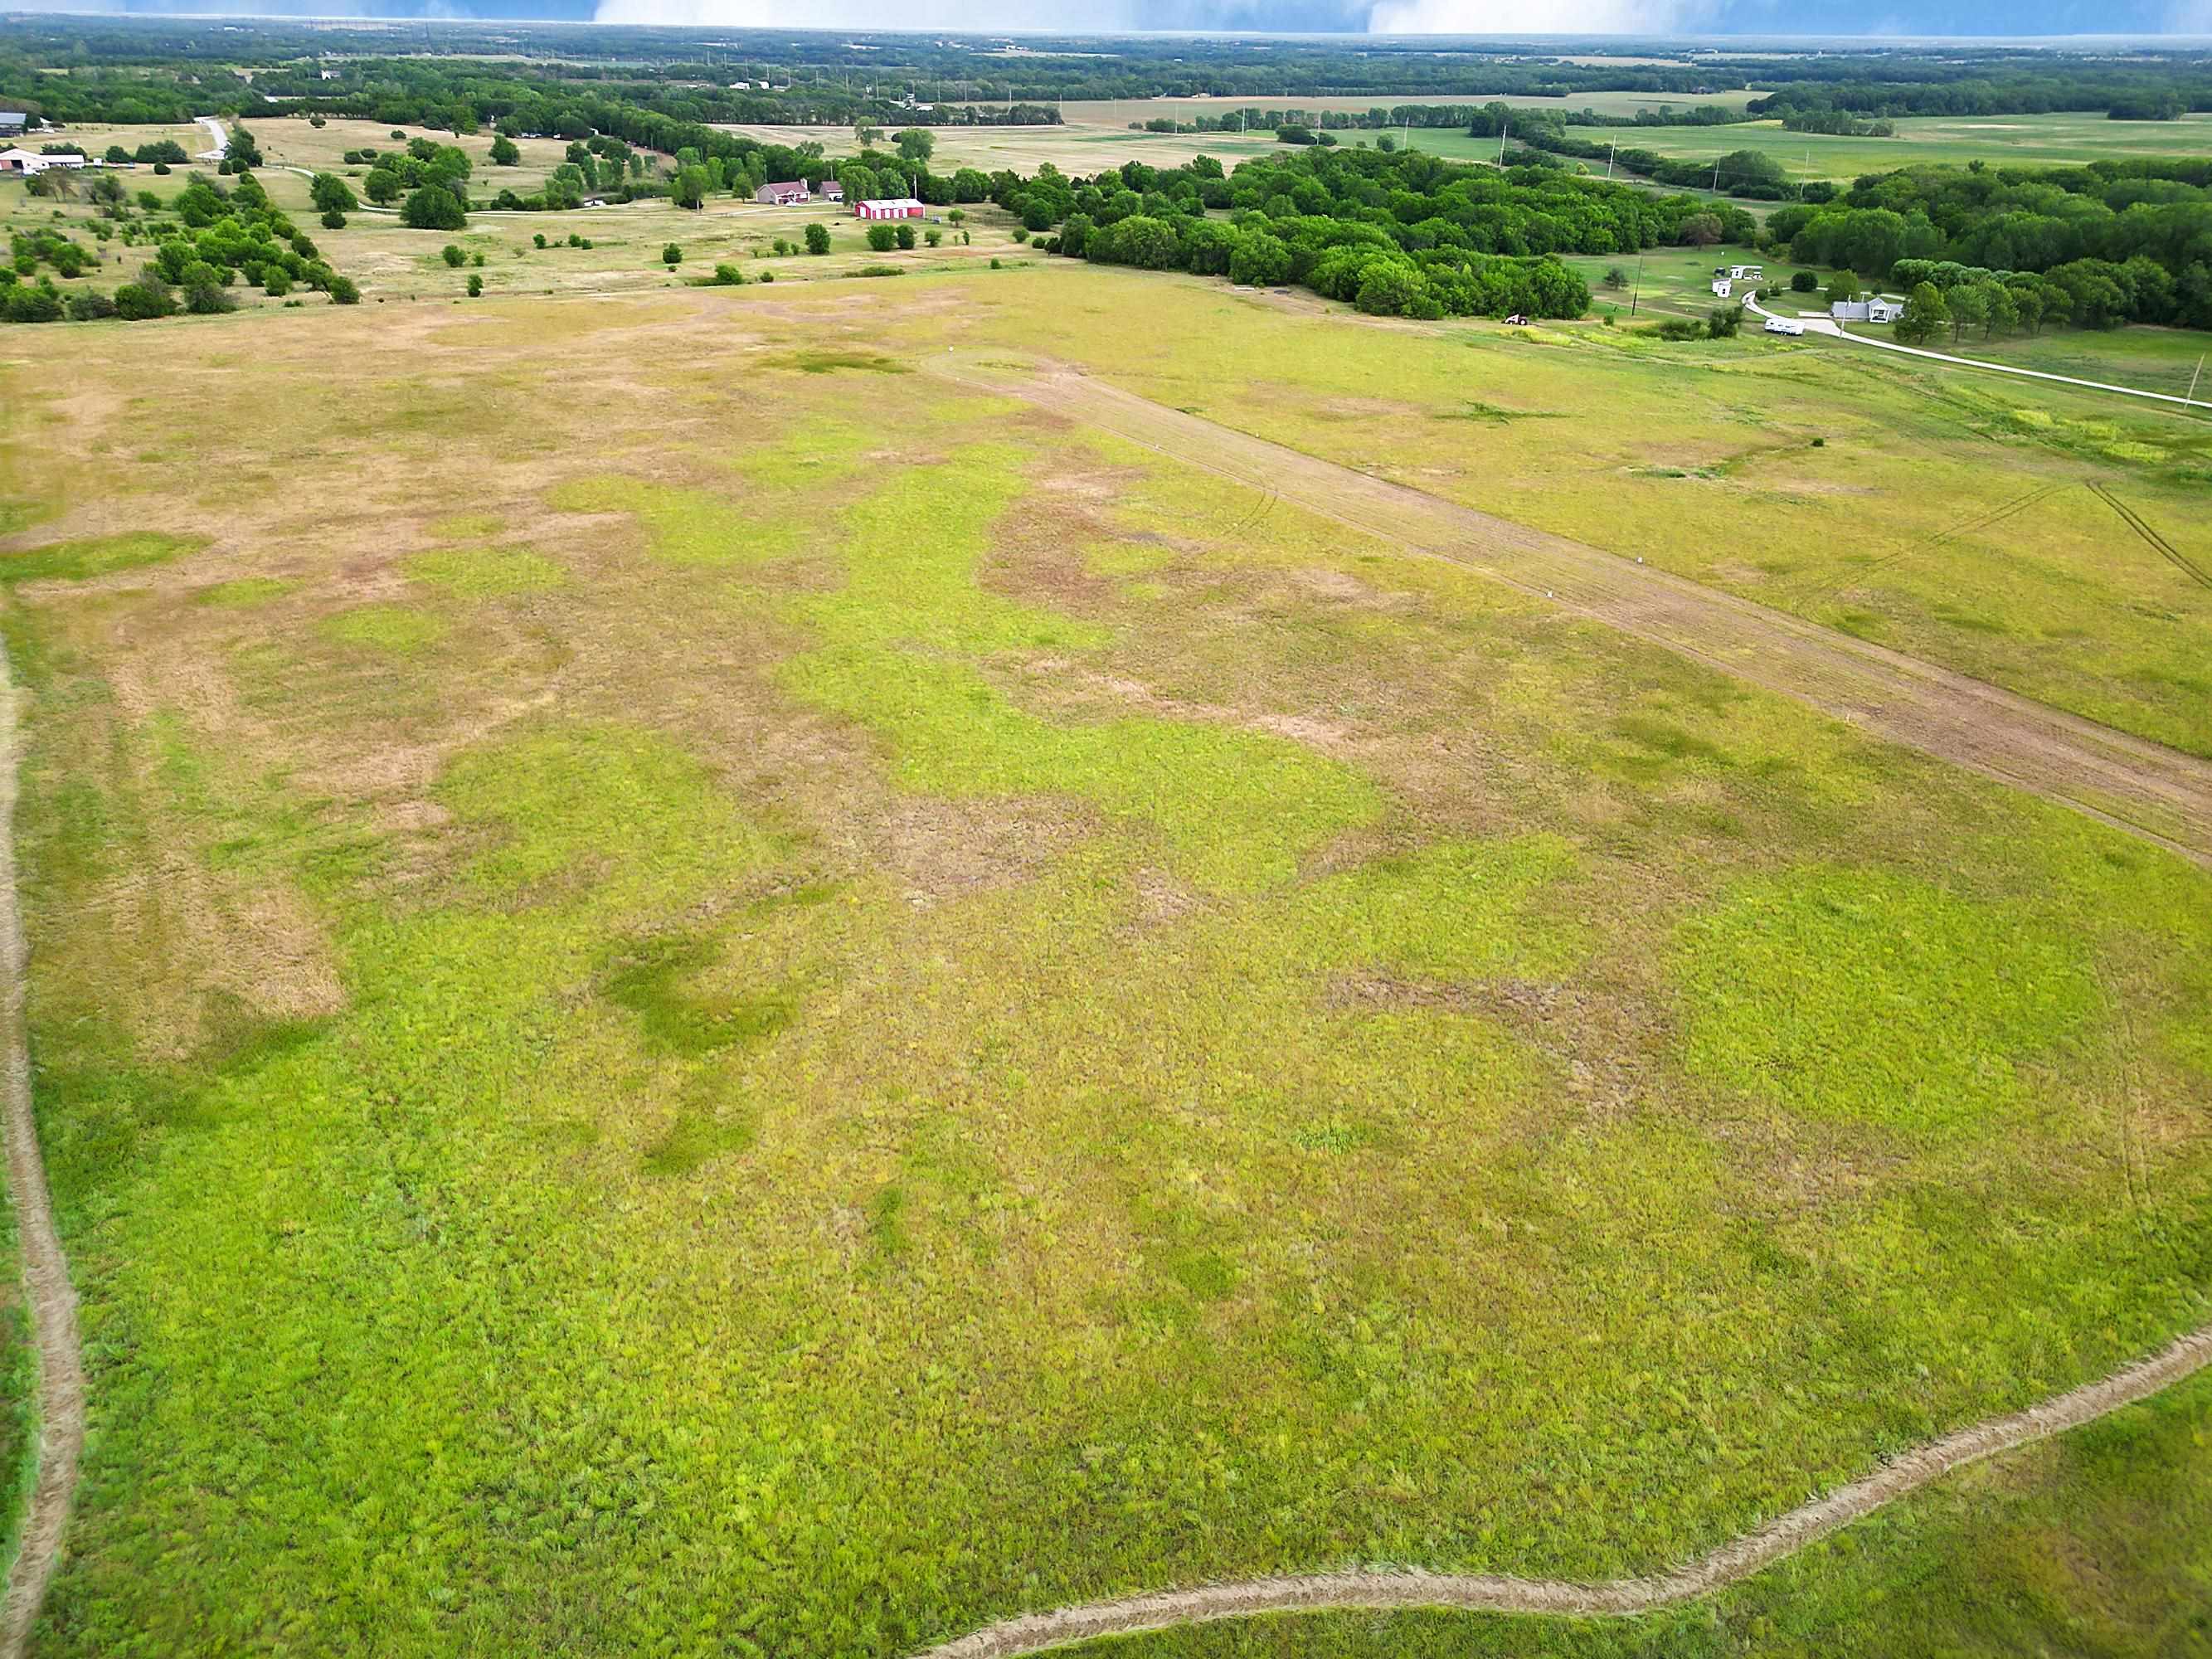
[475, 285]
[881, 239]
[453, 256]
[817, 238]
[1804, 282]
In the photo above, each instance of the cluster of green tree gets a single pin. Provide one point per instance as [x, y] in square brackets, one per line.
[2168, 105]
[2130, 241]
[167, 151]
[2026, 84]
[219, 236]
[241, 153]
[1839, 124]
[28, 249]
[432, 178]
[1398, 234]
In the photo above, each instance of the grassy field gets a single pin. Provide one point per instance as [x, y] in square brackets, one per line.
[1119, 111]
[1081, 149]
[2001, 140]
[2085, 1546]
[394, 265]
[1095, 133]
[703, 993]
[1910, 521]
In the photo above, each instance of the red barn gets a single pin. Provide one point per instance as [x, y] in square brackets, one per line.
[893, 207]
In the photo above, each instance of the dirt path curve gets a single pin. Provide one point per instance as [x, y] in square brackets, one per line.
[1611, 1597]
[47, 1289]
[2157, 793]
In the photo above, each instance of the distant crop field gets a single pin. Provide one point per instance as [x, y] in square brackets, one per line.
[1077, 148]
[1121, 110]
[2025, 140]
[701, 984]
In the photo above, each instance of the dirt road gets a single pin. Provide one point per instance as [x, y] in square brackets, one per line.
[47, 1289]
[2150, 791]
[1611, 1597]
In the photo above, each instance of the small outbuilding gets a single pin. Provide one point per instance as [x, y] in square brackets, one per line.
[1875, 308]
[12, 122]
[830, 190]
[20, 162]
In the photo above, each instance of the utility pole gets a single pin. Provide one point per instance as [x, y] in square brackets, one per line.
[1611, 145]
[1503, 127]
[2191, 398]
[1717, 178]
[1637, 292]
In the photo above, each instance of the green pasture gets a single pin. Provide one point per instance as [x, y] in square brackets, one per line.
[2092, 1544]
[1997, 140]
[1941, 512]
[824, 1010]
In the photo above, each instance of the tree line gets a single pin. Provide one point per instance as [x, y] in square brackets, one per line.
[1394, 233]
[2128, 241]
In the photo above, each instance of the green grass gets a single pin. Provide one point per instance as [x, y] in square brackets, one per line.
[243, 592]
[1018, 1021]
[479, 572]
[1922, 513]
[102, 556]
[19, 1405]
[1924, 1011]
[2000, 141]
[2093, 1544]
[397, 629]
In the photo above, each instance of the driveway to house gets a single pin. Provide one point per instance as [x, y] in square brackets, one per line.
[216, 133]
[1824, 325]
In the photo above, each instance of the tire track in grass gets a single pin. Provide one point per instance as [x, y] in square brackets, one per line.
[2157, 543]
[1383, 1591]
[47, 1289]
[2134, 784]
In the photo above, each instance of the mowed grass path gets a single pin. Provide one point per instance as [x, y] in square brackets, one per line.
[840, 1011]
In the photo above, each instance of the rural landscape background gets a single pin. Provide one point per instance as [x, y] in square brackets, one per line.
[1291, 812]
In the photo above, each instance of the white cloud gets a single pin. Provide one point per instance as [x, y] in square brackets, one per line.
[1523, 17]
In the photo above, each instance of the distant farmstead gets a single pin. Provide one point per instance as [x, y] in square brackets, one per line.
[21, 161]
[1872, 309]
[893, 207]
[792, 192]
